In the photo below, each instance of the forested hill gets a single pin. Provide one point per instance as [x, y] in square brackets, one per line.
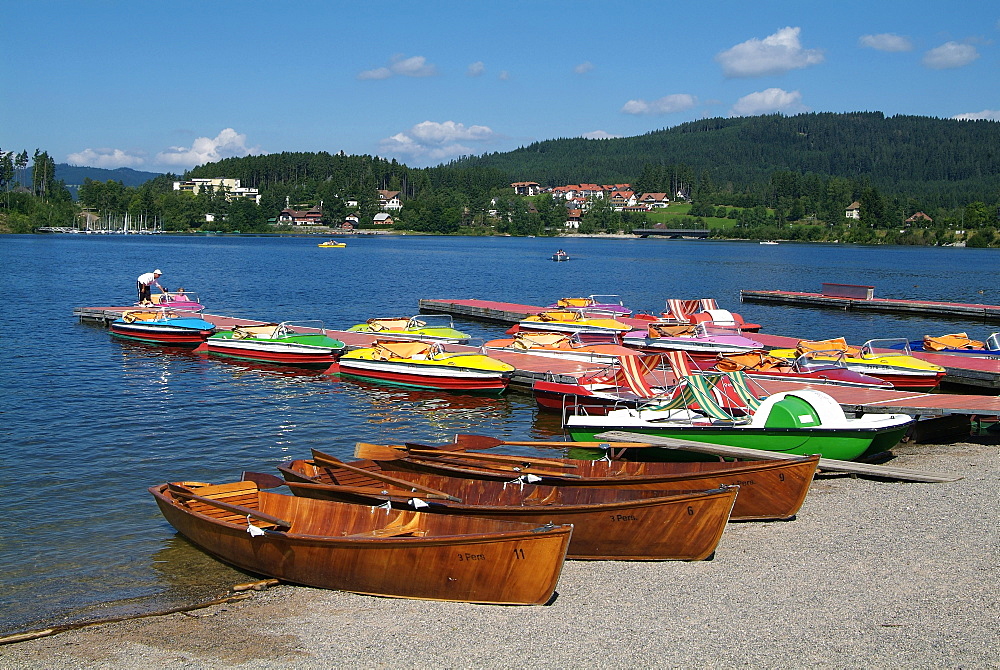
[900, 154]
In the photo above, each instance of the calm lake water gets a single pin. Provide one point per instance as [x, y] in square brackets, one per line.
[90, 422]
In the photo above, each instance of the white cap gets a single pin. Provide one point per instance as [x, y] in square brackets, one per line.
[157, 272]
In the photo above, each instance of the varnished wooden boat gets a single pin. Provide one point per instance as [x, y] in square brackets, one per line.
[607, 523]
[769, 490]
[384, 552]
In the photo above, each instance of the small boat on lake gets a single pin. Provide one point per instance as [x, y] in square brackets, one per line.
[875, 358]
[611, 304]
[426, 365]
[332, 245]
[559, 256]
[608, 523]
[956, 344]
[363, 549]
[424, 327]
[805, 421]
[162, 326]
[699, 340]
[587, 325]
[768, 489]
[288, 343]
[564, 346]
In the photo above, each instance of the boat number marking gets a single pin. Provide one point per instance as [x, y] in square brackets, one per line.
[623, 517]
[471, 557]
[781, 476]
[518, 553]
[690, 510]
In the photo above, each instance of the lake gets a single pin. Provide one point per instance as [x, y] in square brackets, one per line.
[90, 421]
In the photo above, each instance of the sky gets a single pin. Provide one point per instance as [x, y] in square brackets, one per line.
[165, 86]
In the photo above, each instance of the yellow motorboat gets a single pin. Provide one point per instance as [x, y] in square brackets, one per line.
[332, 245]
[882, 359]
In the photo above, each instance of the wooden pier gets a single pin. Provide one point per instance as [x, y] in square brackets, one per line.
[951, 310]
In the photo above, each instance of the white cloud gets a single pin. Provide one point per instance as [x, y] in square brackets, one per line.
[986, 114]
[886, 42]
[414, 66]
[584, 67]
[767, 102]
[106, 158]
[504, 75]
[678, 102]
[950, 55]
[599, 135]
[476, 69]
[775, 54]
[433, 141]
[226, 144]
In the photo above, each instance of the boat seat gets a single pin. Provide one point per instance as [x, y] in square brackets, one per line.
[250, 332]
[395, 528]
[243, 493]
[535, 497]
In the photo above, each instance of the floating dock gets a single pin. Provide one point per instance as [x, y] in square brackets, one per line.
[951, 310]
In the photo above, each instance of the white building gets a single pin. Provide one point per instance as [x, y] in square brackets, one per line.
[231, 186]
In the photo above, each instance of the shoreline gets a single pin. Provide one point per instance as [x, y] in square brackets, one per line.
[870, 574]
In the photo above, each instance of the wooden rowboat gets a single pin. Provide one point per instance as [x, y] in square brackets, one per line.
[607, 523]
[768, 489]
[384, 552]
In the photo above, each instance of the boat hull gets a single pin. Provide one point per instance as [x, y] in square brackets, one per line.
[470, 561]
[170, 332]
[440, 377]
[294, 351]
[842, 444]
[769, 490]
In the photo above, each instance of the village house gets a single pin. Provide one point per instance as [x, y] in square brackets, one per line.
[853, 211]
[383, 219]
[573, 217]
[622, 199]
[389, 201]
[919, 218]
[525, 187]
[654, 200]
[231, 187]
[301, 217]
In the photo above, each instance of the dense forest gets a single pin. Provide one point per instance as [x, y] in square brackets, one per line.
[759, 177]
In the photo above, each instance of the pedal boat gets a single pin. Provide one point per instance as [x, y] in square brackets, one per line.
[426, 365]
[699, 340]
[162, 326]
[611, 304]
[332, 245]
[303, 343]
[564, 346]
[424, 327]
[956, 344]
[590, 326]
[875, 358]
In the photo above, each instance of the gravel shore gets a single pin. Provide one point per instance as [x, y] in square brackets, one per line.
[871, 574]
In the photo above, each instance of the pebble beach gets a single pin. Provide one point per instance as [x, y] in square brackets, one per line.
[871, 573]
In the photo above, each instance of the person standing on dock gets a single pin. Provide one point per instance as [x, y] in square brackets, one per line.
[144, 284]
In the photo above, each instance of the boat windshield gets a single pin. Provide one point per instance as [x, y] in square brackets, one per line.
[869, 348]
[431, 321]
[607, 300]
[300, 327]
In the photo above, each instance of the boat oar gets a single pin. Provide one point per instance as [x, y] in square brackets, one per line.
[263, 480]
[325, 459]
[293, 482]
[375, 452]
[413, 447]
[467, 441]
[181, 492]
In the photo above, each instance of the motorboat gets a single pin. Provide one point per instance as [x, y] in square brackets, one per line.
[559, 256]
[589, 326]
[700, 340]
[876, 358]
[424, 327]
[611, 304]
[426, 365]
[180, 300]
[564, 346]
[804, 421]
[332, 245]
[288, 343]
[955, 344]
[162, 326]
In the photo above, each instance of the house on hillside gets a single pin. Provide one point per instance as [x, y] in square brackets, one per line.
[389, 201]
[231, 187]
[853, 211]
[919, 218]
[573, 217]
[383, 219]
[654, 200]
[620, 199]
[525, 187]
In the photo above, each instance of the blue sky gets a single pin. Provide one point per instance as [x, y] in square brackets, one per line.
[165, 86]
